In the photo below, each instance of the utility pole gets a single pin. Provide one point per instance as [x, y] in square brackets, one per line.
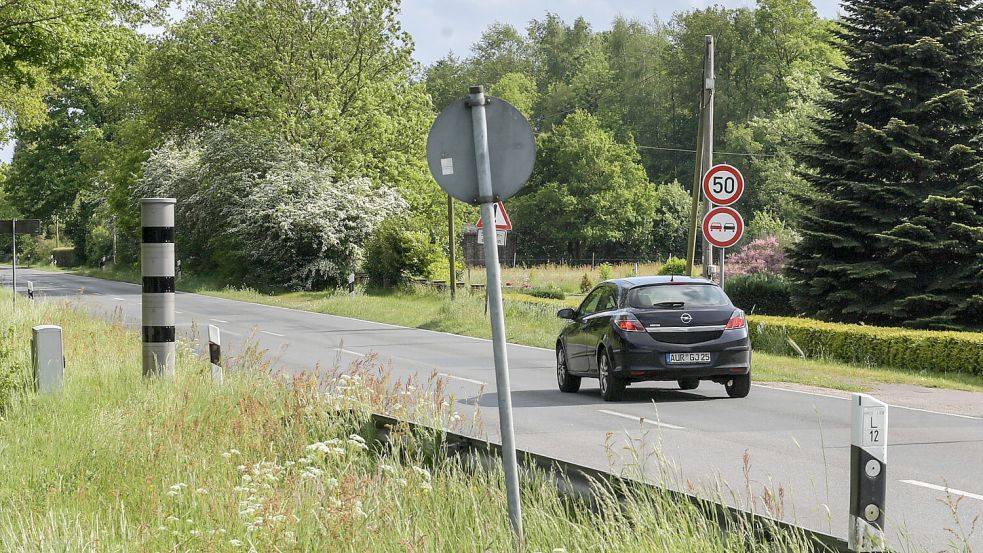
[704, 159]
[709, 78]
[450, 244]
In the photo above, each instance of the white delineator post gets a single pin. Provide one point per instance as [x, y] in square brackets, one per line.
[157, 266]
[215, 353]
[868, 473]
[494, 291]
[49, 358]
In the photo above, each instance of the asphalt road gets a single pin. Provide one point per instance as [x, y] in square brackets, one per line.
[793, 441]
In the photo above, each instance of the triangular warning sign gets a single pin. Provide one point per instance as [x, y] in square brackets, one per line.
[502, 221]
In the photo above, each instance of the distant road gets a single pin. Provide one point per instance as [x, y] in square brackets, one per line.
[795, 441]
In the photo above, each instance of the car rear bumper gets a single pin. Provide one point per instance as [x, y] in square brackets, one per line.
[641, 358]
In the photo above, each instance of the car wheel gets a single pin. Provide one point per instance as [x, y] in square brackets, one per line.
[738, 386]
[612, 387]
[567, 382]
[688, 383]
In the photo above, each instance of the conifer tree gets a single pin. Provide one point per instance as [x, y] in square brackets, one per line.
[896, 234]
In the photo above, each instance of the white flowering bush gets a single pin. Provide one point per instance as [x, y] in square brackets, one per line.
[261, 212]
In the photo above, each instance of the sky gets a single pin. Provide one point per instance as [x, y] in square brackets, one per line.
[442, 26]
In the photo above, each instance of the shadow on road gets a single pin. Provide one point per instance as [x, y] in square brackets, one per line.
[589, 396]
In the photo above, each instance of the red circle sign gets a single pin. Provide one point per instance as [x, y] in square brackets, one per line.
[723, 184]
[723, 227]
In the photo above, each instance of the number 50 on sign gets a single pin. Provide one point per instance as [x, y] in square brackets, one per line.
[723, 184]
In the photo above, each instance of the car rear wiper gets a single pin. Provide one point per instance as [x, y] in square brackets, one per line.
[668, 304]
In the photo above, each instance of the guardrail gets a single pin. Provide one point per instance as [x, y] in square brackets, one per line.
[576, 480]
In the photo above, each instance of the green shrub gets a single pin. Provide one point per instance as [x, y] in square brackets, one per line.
[761, 293]
[605, 270]
[395, 255]
[551, 292]
[911, 350]
[64, 257]
[11, 366]
[585, 284]
[673, 266]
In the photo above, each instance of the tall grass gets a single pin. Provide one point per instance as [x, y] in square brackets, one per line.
[118, 463]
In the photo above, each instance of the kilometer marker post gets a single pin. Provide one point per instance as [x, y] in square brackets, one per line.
[868, 473]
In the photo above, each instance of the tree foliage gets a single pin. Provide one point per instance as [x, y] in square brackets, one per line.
[587, 194]
[896, 233]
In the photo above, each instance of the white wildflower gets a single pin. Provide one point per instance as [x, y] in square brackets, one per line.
[422, 472]
[235, 543]
[201, 491]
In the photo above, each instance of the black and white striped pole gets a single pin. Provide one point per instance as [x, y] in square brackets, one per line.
[868, 473]
[215, 353]
[157, 265]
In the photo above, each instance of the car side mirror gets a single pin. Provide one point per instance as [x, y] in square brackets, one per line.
[567, 313]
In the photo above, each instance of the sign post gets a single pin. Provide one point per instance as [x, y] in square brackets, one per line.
[481, 150]
[15, 227]
[868, 473]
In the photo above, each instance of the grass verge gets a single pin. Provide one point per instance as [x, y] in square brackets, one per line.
[532, 321]
[115, 462]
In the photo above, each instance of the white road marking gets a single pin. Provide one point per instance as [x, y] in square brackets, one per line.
[271, 333]
[178, 313]
[943, 489]
[119, 299]
[350, 352]
[219, 321]
[538, 348]
[781, 389]
[641, 419]
[461, 378]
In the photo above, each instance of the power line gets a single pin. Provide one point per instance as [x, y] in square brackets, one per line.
[692, 151]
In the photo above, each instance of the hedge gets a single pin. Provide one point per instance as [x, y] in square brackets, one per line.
[762, 293]
[914, 350]
[64, 257]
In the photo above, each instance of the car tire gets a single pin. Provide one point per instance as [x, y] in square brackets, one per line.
[738, 386]
[612, 387]
[567, 382]
[688, 383]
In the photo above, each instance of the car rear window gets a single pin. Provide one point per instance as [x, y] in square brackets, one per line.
[692, 295]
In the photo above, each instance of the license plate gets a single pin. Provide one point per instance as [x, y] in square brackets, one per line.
[682, 358]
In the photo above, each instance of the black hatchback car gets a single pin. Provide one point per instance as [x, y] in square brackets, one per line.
[654, 328]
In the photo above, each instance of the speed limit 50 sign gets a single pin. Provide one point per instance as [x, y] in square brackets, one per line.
[723, 184]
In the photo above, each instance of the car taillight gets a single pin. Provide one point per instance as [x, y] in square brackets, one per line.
[628, 322]
[736, 321]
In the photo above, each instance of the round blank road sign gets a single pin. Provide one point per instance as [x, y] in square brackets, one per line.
[723, 227]
[511, 147]
[723, 184]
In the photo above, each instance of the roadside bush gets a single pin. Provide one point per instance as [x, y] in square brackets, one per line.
[261, 212]
[605, 271]
[549, 292]
[673, 266]
[764, 255]
[11, 373]
[64, 257]
[394, 255]
[585, 284]
[910, 350]
[99, 244]
[762, 293]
